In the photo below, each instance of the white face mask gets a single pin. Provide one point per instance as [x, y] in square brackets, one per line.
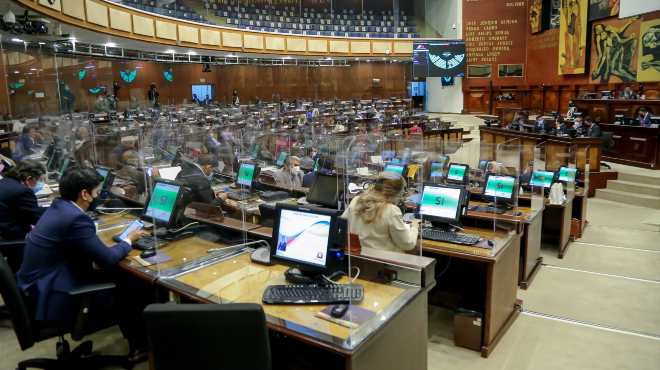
[296, 168]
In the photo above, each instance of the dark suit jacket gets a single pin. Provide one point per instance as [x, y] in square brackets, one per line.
[58, 257]
[594, 131]
[18, 209]
[200, 185]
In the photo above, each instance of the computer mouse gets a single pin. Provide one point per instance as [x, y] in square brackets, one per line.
[491, 243]
[261, 255]
[338, 310]
[148, 253]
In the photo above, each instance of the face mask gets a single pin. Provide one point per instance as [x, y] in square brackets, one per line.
[95, 203]
[38, 186]
[296, 168]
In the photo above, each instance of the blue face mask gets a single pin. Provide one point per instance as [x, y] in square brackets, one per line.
[38, 186]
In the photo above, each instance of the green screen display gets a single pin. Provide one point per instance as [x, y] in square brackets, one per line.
[567, 174]
[245, 174]
[281, 158]
[440, 202]
[162, 202]
[256, 149]
[394, 169]
[500, 186]
[542, 178]
[456, 172]
[437, 169]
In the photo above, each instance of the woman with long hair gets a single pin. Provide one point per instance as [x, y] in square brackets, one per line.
[376, 219]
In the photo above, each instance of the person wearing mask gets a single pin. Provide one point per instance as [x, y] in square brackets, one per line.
[591, 128]
[153, 95]
[199, 178]
[578, 125]
[644, 117]
[376, 219]
[290, 176]
[63, 252]
[18, 203]
[235, 101]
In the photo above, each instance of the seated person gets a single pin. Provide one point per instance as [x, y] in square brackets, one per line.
[63, 252]
[591, 128]
[200, 181]
[578, 125]
[19, 209]
[290, 176]
[644, 117]
[376, 219]
[628, 93]
[325, 167]
[519, 121]
[26, 144]
[564, 127]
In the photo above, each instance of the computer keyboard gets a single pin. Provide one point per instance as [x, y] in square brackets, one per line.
[449, 236]
[487, 209]
[147, 242]
[239, 195]
[313, 294]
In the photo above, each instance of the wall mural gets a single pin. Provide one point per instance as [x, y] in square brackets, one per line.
[599, 9]
[648, 68]
[614, 51]
[573, 37]
[536, 16]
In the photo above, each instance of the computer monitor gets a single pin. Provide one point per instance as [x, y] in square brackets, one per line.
[458, 173]
[542, 179]
[246, 174]
[303, 237]
[162, 206]
[399, 169]
[108, 176]
[256, 150]
[66, 164]
[169, 173]
[437, 171]
[442, 203]
[281, 158]
[325, 191]
[567, 174]
[500, 188]
[483, 165]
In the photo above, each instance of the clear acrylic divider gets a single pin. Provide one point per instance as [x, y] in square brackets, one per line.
[501, 189]
[535, 186]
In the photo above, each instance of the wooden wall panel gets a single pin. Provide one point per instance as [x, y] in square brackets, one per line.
[403, 47]
[209, 37]
[120, 20]
[166, 30]
[253, 41]
[275, 43]
[317, 46]
[296, 44]
[53, 4]
[143, 25]
[189, 34]
[381, 47]
[73, 8]
[232, 39]
[339, 46]
[360, 47]
[96, 13]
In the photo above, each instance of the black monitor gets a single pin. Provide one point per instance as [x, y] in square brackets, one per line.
[108, 177]
[325, 191]
[303, 237]
[442, 203]
[246, 174]
[281, 158]
[500, 189]
[543, 179]
[66, 164]
[399, 169]
[164, 203]
[458, 173]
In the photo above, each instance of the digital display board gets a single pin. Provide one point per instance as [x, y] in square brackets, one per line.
[439, 58]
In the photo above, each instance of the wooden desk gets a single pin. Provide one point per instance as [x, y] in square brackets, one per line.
[486, 279]
[605, 110]
[634, 146]
[528, 224]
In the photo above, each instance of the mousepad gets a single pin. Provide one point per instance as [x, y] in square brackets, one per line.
[353, 318]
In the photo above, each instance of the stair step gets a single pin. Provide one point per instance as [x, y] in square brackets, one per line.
[634, 187]
[644, 179]
[641, 200]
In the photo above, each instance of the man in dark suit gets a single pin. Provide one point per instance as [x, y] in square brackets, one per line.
[591, 128]
[63, 252]
[18, 204]
[198, 179]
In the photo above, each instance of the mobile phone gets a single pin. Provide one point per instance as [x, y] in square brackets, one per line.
[134, 226]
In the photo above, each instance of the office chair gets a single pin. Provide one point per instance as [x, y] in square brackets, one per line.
[607, 143]
[29, 331]
[212, 336]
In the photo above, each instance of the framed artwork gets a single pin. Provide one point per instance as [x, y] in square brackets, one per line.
[479, 71]
[648, 61]
[510, 70]
[599, 9]
[614, 50]
[535, 16]
[573, 37]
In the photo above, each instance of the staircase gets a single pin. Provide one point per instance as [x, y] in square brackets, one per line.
[634, 189]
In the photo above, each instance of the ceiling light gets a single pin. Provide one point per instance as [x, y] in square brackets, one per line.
[16, 40]
[33, 69]
[231, 56]
[110, 45]
[287, 57]
[73, 39]
[42, 43]
[169, 51]
[190, 52]
[328, 58]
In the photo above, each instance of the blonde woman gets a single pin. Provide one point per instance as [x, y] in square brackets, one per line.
[376, 219]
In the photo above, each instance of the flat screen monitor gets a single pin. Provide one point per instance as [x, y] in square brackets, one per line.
[246, 173]
[325, 191]
[108, 177]
[395, 168]
[499, 187]
[417, 89]
[162, 204]
[441, 203]
[483, 164]
[437, 170]
[458, 173]
[169, 173]
[281, 158]
[567, 174]
[256, 150]
[542, 178]
[446, 58]
[303, 236]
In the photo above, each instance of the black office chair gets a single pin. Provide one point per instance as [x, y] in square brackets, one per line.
[29, 331]
[607, 143]
[13, 251]
[212, 336]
